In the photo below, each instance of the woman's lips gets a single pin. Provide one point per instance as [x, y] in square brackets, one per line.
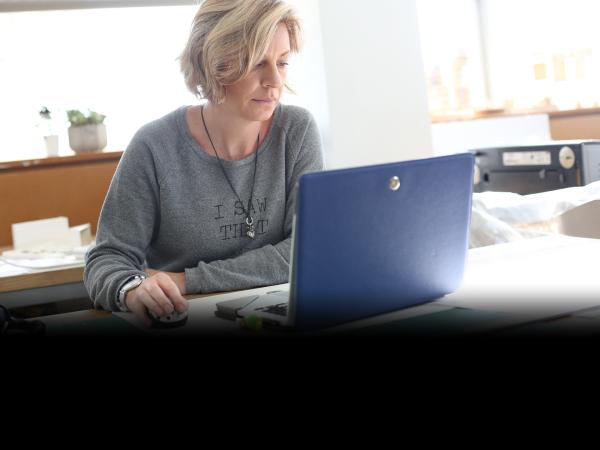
[264, 100]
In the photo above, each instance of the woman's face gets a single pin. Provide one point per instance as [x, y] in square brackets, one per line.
[256, 96]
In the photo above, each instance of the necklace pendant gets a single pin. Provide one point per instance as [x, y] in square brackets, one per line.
[250, 232]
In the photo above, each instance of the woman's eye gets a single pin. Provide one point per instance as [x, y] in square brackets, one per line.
[281, 64]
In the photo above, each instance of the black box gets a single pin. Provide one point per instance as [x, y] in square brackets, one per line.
[537, 168]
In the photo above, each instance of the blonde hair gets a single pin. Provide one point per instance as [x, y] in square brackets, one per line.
[228, 38]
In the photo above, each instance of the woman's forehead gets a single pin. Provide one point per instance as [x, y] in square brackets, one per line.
[280, 45]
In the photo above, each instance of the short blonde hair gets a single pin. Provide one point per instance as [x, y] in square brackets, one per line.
[228, 38]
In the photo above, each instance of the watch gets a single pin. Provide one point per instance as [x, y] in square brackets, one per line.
[130, 284]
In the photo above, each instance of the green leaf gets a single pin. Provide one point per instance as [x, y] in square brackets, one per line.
[77, 118]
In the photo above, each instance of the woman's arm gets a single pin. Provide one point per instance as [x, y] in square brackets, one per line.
[127, 222]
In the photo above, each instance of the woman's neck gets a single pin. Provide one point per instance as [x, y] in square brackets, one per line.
[233, 136]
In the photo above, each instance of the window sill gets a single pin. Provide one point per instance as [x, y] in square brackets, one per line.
[58, 161]
[498, 113]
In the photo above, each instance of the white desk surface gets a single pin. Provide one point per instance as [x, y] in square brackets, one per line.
[547, 275]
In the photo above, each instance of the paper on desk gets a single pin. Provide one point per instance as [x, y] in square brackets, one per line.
[43, 263]
[8, 270]
[45, 257]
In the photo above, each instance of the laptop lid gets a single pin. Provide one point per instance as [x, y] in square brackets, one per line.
[371, 240]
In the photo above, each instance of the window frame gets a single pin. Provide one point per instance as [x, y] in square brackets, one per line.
[46, 5]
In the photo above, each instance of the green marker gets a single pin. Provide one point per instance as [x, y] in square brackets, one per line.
[253, 323]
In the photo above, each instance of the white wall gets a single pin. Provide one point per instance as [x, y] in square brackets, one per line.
[307, 71]
[376, 86]
[464, 135]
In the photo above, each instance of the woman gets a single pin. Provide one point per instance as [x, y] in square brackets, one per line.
[203, 198]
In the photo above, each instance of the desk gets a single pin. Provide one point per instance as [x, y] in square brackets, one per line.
[505, 286]
[23, 287]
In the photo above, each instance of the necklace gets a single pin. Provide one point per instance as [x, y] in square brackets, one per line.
[250, 231]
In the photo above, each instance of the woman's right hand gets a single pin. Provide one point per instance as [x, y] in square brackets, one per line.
[159, 294]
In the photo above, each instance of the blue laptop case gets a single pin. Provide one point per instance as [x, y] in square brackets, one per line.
[362, 248]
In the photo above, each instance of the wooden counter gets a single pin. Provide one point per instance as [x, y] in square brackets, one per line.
[71, 186]
[576, 124]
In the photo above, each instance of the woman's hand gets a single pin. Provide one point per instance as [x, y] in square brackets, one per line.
[177, 277]
[159, 293]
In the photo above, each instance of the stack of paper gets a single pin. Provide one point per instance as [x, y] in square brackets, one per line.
[48, 243]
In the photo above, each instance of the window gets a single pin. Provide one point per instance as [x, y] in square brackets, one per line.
[449, 32]
[120, 62]
[510, 54]
[543, 53]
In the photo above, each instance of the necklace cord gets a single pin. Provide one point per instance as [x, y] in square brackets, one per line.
[249, 220]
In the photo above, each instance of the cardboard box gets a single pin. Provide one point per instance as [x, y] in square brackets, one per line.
[581, 221]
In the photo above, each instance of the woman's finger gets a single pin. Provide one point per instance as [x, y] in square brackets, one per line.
[159, 295]
[172, 291]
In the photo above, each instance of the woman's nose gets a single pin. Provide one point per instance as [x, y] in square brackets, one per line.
[273, 78]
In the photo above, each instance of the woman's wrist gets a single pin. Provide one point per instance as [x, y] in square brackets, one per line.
[129, 298]
[130, 284]
[179, 279]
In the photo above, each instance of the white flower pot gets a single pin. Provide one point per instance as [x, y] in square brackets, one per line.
[87, 138]
[51, 145]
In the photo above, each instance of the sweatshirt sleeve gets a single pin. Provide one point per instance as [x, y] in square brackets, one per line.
[128, 220]
[267, 265]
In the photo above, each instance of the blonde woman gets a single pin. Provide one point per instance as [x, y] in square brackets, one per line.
[203, 198]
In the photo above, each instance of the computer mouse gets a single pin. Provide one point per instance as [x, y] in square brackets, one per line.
[172, 320]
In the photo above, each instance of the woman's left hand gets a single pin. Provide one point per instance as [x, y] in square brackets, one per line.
[177, 277]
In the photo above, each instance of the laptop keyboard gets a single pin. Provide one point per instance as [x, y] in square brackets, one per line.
[279, 309]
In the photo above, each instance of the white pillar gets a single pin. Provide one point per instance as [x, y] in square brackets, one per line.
[376, 87]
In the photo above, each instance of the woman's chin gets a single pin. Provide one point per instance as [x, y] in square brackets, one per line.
[263, 111]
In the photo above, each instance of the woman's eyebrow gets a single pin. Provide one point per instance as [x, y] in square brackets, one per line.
[280, 56]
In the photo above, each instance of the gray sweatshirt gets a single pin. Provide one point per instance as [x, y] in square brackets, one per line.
[169, 207]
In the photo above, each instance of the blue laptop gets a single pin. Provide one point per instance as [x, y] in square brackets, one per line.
[371, 240]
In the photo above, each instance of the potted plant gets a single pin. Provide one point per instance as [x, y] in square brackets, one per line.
[50, 136]
[87, 133]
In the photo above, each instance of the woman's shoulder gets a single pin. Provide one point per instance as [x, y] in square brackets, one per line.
[301, 131]
[156, 139]
[293, 117]
[162, 127]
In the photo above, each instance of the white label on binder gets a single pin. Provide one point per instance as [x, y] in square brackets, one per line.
[540, 158]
